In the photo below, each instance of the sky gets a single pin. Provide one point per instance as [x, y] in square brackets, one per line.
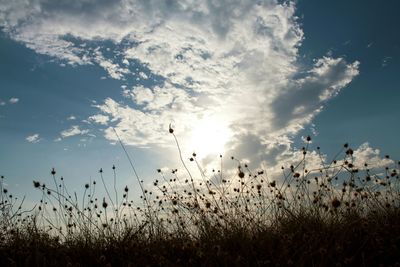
[242, 78]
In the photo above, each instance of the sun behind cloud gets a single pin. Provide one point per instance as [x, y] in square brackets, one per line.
[209, 136]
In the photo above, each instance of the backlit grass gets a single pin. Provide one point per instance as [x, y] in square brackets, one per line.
[338, 214]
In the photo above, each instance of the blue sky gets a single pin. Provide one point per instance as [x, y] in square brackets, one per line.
[241, 78]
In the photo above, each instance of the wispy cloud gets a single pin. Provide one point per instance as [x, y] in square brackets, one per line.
[71, 118]
[13, 100]
[386, 61]
[33, 138]
[74, 130]
[100, 119]
[232, 63]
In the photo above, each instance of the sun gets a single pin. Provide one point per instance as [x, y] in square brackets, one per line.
[209, 136]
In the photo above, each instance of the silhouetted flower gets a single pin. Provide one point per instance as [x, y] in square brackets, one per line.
[335, 203]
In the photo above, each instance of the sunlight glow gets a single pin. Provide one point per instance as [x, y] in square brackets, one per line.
[209, 136]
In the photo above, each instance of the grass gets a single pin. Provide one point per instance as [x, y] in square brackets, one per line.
[338, 214]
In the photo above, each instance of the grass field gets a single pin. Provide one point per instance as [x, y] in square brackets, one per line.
[339, 214]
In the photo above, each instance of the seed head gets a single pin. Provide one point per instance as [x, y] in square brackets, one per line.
[104, 203]
[335, 203]
[36, 184]
[171, 131]
[53, 171]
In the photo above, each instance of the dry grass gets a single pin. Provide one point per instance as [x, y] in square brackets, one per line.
[336, 215]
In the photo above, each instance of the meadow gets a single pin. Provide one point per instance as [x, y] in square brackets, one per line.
[339, 214]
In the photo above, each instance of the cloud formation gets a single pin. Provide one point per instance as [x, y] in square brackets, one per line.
[33, 138]
[231, 63]
[74, 130]
[13, 100]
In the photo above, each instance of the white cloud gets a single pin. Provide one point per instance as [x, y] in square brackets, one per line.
[71, 118]
[74, 130]
[386, 61]
[2, 103]
[233, 63]
[100, 119]
[33, 138]
[365, 154]
[13, 100]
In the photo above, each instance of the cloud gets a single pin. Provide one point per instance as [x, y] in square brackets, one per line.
[74, 130]
[224, 66]
[2, 103]
[386, 61]
[366, 154]
[13, 100]
[33, 138]
[100, 119]
[71, 118]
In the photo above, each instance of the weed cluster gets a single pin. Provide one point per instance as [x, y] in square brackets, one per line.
[339, 214]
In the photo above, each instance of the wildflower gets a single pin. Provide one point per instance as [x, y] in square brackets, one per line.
[104, 203]
[335, 203]
[113, 167]
[272, 184]
[308, 139]
[349, 151]
[126, 189]
[36, 184]
[171, 131]
[86, 186]
[241, 174]
[101, 170]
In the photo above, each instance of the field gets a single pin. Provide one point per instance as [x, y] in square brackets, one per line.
[339, 214]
